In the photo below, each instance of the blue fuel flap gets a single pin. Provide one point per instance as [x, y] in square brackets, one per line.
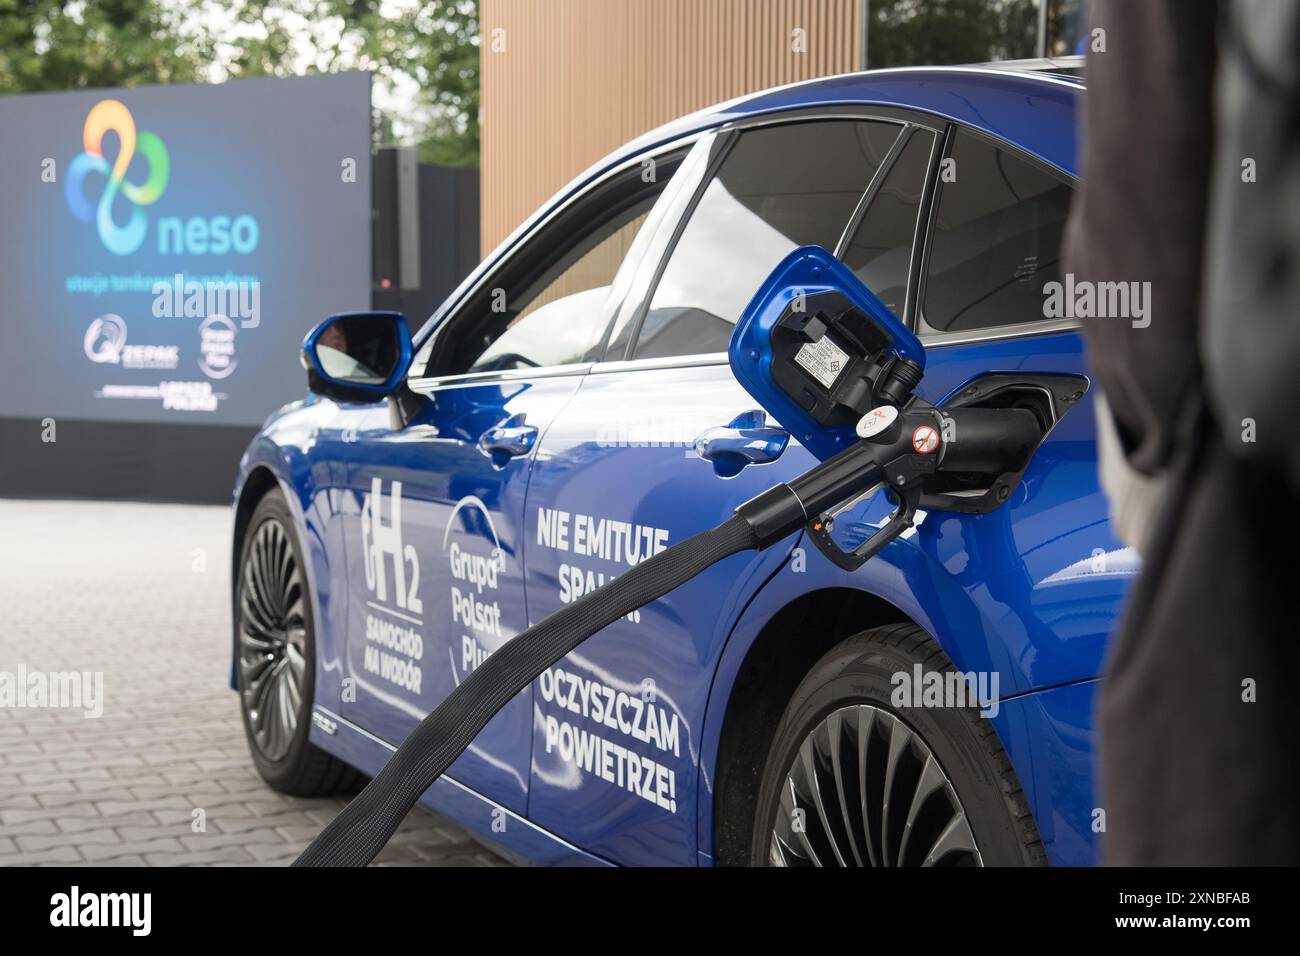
[813, 347]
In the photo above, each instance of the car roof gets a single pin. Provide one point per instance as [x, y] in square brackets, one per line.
[989, 99]
[1035, 111]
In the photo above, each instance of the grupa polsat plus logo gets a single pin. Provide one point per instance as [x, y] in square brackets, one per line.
[197, 235]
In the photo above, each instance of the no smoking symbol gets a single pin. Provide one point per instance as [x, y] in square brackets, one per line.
[925, 440]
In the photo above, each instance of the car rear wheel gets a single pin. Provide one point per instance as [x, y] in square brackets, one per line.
[852, 780]
[276, 666]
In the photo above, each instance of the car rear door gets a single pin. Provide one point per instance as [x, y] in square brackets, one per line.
[434, 508]
[659, 443]
[1045, 573]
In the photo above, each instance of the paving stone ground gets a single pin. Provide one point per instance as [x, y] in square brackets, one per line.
[139, 592]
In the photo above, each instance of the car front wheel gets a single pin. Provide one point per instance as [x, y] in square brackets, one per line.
[276, 666]
[852, 780]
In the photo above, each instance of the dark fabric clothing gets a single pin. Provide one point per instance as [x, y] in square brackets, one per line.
[1199, 763]
[1140, 216]
[1191, 773]
[1250, 336]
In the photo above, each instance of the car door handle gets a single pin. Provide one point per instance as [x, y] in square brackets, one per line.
[512, 438]
[748, 440]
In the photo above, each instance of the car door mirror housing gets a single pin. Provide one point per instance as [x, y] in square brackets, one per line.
[818, 350]
[358, 357]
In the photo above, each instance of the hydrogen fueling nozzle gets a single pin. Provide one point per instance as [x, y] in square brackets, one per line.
[897, 451]
[832, 363]
[834, 366]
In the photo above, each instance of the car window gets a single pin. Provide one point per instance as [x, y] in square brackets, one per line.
[880, 249]
[996, 240]
[779, 187]
[563, 321]
[548, 304]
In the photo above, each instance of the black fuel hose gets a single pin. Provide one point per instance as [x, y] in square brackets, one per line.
[995, 440]
[356, 835]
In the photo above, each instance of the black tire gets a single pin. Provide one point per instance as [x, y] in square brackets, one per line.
[271, 584]
[846, 699]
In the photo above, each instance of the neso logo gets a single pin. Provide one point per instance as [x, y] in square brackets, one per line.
[196, 236]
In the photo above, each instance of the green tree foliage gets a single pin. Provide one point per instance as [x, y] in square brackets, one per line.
[447, 65]
[425, 58]
[427, 53]
[48, 45]
[918, 32]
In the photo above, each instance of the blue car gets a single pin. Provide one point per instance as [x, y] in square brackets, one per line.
[569, 411]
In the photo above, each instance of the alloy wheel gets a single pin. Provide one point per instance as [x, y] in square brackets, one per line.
[865, 790]
[272, 640]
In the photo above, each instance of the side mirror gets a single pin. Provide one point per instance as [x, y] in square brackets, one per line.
[357, 356]
[818, 350]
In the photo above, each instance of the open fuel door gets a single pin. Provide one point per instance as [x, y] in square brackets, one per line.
[818, 350]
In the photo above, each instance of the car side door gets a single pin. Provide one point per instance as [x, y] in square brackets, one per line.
[437, 480]
[659, 443]
[1044, 573]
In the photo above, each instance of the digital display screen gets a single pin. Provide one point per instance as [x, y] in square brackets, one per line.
[165, 249]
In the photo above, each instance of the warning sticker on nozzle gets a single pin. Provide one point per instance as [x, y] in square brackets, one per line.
[823, 360]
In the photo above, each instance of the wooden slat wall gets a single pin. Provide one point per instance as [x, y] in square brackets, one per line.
[578, 78]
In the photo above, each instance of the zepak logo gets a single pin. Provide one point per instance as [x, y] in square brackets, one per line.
[106, 116]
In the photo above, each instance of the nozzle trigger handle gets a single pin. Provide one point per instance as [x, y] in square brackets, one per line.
[819, 529]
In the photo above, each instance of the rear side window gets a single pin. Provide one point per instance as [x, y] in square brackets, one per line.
[996, 240]
[880, 250]
[778, 188]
